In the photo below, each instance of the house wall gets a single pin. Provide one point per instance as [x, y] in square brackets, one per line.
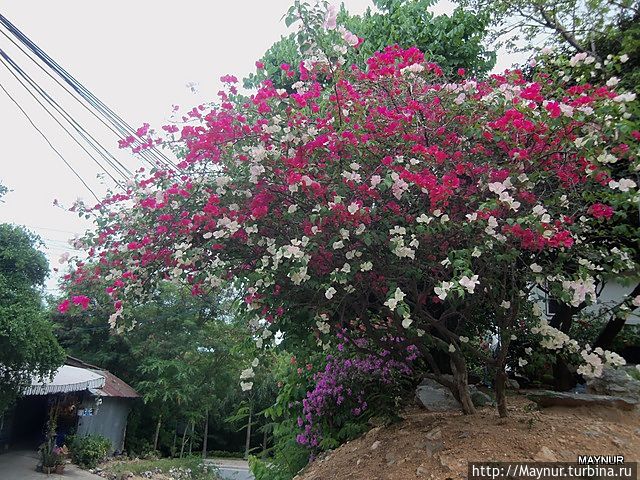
[612, 294]
[109, 420]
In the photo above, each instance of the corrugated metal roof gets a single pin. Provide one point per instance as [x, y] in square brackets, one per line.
[67, 379]
[113, 386]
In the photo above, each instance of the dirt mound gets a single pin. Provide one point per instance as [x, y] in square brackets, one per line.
[438, 445]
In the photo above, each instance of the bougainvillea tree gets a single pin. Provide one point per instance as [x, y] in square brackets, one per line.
[390, 204]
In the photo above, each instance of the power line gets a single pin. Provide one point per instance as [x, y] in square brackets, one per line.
[152, 155]
[49, 143]
[64, 87]
[68, 117]
[4, 59]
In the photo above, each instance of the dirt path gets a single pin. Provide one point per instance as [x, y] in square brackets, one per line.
[439, 445]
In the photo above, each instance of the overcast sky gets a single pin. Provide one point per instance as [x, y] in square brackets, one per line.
[137, 57]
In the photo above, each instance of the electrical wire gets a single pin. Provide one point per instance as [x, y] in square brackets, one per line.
[152, 155]
[49, 143]
[100, 149]
[79, 129]
[58, 121]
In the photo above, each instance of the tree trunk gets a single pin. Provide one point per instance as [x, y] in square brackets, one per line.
[175, 439]
[184, 441]
[205, 436]
[613, 326]
[193, 427]
[247, 443]
[563, 378]
[264, 443]
[460, 377]
[501, 395]
[157, 434]
[563, 318]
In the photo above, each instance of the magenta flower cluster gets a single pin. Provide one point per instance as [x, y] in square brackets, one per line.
[344, 386]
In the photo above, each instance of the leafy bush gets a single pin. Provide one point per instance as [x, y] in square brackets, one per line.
[269, 471]
[225, 454]
[89, 450]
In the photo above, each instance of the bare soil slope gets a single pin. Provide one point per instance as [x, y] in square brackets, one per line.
[438, 445]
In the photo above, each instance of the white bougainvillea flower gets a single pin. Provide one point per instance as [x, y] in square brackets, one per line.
[469, 283]
[442, 291]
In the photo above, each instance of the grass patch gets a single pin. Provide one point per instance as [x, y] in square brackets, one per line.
[180, 466]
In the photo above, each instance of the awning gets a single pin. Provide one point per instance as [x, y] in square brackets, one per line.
[66, 379]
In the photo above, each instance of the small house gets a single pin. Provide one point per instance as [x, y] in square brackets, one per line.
[88, 400]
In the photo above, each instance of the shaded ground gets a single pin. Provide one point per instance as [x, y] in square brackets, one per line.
[434, 445]
[21, 465]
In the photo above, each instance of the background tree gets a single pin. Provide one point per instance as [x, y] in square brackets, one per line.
[576, 25]
[453, 41]
[183, 354]
[28, 347]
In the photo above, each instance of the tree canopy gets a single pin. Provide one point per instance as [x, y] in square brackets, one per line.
[28, 347]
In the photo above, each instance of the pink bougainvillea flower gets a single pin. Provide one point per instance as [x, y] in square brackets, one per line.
[81, 300]
[600, 210]
[64, 306]
[331, 18]
[351, 39]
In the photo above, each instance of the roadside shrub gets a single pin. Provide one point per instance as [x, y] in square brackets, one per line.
[88, 450]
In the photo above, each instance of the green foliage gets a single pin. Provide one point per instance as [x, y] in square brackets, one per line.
[225, 454]
[87, 451]
[586, 329]
[455, 41]
[27, 345]
[267, 470]
[573, 25]
[184, 356]
[623, 38]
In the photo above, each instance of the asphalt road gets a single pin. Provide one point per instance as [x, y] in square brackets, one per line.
[231, 469]
[234, 473]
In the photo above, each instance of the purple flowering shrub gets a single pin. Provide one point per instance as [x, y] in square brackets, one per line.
[352, 388]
